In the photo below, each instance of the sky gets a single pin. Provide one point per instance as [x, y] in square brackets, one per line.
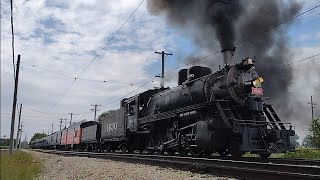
[63, 40]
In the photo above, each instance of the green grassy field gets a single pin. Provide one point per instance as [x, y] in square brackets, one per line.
[19, 166]
[303, 153]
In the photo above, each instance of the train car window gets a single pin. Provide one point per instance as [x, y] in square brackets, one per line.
[76, 133]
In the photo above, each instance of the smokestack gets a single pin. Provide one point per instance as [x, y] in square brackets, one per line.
[228, 55]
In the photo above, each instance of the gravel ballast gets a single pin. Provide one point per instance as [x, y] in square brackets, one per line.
[60, 167]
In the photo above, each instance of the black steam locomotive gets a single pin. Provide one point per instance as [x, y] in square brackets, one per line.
[221, 112]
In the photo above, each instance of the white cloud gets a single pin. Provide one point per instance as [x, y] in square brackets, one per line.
[64, 36]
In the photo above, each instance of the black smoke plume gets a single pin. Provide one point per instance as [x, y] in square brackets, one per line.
[222, 24]
[202, 15]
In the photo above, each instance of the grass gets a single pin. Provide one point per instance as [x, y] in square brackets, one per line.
[19, 166]
[303, 153]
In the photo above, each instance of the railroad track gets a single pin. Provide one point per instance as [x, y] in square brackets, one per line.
[276, 160]
[244, 168]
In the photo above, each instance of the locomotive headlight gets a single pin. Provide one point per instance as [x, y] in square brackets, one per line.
[261, 79]
[257, 82]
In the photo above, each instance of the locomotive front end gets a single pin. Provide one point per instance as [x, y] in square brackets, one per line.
[242, 121]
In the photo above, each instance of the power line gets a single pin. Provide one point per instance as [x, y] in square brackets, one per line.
[252, 21]
[86, 113]
[96, 56]
[277, 25]
[237, 43]
[242, 41]
[84, 116]
[61, 113]
[52, 71]
[129, 93]
[6, 73]
[44, 117]
[42, 111]
[73, 77]
[65, 92]
[288, 64]
[110, 39]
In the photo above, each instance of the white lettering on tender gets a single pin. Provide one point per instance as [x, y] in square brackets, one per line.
[112, 127]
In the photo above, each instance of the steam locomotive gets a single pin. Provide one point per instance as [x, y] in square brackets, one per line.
[207, 112]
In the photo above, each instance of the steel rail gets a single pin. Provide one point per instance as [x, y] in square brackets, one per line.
[222, 167]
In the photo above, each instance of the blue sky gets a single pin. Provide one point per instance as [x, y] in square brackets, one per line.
[64, 37]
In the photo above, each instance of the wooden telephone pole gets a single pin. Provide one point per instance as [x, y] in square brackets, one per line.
[162, 66]
[19, 127]
[61, 119]
[71, 115]
[313, 105]
[13, 116]
[95, 110]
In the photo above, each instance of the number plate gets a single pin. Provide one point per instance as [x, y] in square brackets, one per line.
[257, 91]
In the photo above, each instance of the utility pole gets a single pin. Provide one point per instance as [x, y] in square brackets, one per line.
[61, 119]
[162, 69]
[14, 106]
[71, 114]
[18, 131]
[52, 128]
[25, 141]
[95, 110]
[20, 134]
[313, 105]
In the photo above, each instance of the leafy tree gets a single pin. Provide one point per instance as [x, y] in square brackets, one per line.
[313, 138]
[294, 140]
[103, 115]
[4, 142]
[37, 136]
[306, 141]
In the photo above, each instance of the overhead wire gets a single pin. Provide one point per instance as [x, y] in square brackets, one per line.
[114, 35]
[65, 93]
[245, 40]
[73, 77]
[87, 113]
[129, 93]
[277, 25]
[242, 41]
[98, 54]
[5, 74]
[199, 59]
[291, 63]
[42, 111]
